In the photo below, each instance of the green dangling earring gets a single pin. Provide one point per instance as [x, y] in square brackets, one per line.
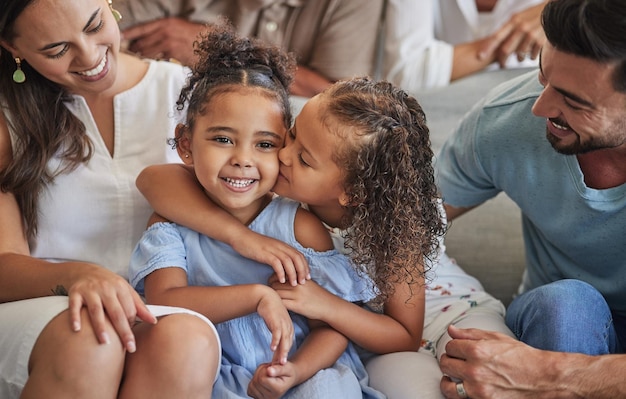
[116, 14]
[18, 75]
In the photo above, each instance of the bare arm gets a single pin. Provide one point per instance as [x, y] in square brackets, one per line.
[454, 212]
[320, 350]
[107, 295]
[104, 293]
[493, 365]
[174, 193]
[168, 286]
[399, 328]
[472, 57]
[522, 35]
[322, 346]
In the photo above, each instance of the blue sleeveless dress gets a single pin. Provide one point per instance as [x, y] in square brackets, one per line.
[245, 340]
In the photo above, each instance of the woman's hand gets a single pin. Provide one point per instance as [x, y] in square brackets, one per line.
[288, 263]
[107, 295]
[522, 35]
[278, 321]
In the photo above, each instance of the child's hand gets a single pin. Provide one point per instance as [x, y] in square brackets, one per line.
[271, 381]
[288, 263]
[278, 321]
[310, 300]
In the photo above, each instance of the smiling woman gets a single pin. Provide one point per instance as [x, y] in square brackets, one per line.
[72, 52]
[70, 213]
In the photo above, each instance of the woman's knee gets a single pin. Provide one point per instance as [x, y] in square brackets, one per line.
[59, 343]
[60, 354]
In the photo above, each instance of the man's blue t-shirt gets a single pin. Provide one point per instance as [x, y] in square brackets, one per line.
[570, 230]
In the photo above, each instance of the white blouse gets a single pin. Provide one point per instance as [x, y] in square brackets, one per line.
[420, 36]
[95, 213]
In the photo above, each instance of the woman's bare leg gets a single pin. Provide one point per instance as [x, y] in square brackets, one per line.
[69, 364]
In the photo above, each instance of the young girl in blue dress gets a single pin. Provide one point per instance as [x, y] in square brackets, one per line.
[237, 117]
[359, 156]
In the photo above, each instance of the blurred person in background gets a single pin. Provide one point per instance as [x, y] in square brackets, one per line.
[332, 39]
[434, 42]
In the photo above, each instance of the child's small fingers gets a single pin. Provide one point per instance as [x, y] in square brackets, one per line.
[281, 277]
[290, 271]
[302, 268]
[282, 351]
[286, 343]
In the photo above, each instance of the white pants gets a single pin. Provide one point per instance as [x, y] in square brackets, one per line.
[21, 322]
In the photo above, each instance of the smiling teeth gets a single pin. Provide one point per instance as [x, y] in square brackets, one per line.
[239, 183]
[96, 70]
[560, 127]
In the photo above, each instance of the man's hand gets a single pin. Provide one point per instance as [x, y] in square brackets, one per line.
[494, 365]
[165, 38]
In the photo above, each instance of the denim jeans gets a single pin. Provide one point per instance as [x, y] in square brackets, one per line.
[566, 316]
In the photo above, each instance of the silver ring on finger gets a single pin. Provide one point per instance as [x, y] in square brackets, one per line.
[460, 390]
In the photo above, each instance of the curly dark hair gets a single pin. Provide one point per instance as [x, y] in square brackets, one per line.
[394, 213]
[227, 62]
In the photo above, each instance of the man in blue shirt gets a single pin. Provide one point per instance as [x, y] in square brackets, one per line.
[556, 145]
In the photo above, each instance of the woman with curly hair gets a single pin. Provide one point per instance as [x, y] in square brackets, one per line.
[359, 157]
